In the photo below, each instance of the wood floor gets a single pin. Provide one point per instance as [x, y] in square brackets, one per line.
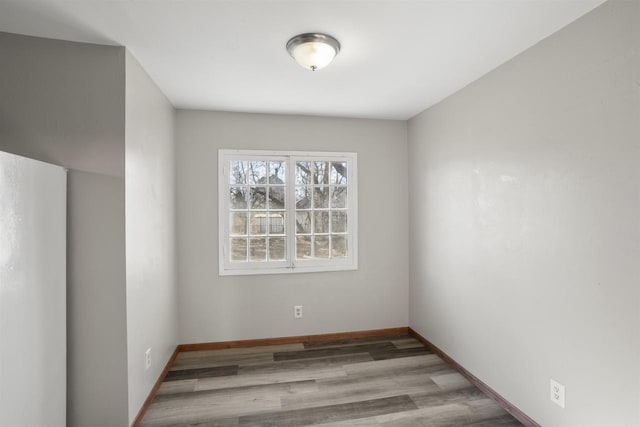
[391, 381]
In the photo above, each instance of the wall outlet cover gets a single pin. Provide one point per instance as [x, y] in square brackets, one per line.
[557, 393]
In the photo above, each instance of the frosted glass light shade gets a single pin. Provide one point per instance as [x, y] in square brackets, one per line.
[313, 51]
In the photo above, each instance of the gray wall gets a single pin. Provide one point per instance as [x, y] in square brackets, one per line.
[152, 320]
[214, 308]
[524, 223]
[63, 103]
[97, 317]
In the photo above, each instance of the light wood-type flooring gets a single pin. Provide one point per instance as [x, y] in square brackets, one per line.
[389, 381]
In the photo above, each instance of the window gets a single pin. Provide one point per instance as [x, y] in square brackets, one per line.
[286, 212]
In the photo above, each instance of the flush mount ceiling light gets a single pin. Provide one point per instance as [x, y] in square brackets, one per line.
[313, 50]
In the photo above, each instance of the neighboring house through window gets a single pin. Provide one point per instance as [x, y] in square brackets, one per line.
[284, 212]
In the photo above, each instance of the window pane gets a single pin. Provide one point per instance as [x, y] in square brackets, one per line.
[258, 249]
[303, 173]
[276, 223]
[238, 223]
[303, 197]
[276, 197]
[258, 198]
[339, 197]
[321, 246]
[238, 172]
[338, 246]
[321, 222]
[277, 173]
[321, 173]
[339, 222]
[339, 172]
[303, 222]
[321, 197]
[238, 249]
[238, 197]
[276, 248]
[258, 224]
[258, 172]
[303, 247]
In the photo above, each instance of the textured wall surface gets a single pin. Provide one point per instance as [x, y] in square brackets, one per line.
[524, 227]
[33, 319]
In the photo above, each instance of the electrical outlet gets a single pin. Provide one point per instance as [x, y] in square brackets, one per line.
[557, 393]
[297, 311]
[147, 359]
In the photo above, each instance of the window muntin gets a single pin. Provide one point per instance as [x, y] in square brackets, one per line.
[283, 212]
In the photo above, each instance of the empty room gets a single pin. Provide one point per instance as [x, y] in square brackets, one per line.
[398, 213]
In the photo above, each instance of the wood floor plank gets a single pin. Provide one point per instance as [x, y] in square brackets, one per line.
[503, 421]
[354, 341]
[451, 381]
[352, 422]
[221, 404]
[324, 414]
[308, 363]
[407, 343]
[205, 397]
[212, 361]
[214, 412]
[229, 422]
[395, 353]
[408, 376]
[454, 414]
[240, 351]
[428, 417]
[363, 387]
[269, 378]
[333, 351]
[436, 397]
[370, 391]
[485, 409]
[392, 365]
[177, 386]
[187, 374]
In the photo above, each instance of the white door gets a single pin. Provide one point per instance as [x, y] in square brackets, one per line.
[32, 293]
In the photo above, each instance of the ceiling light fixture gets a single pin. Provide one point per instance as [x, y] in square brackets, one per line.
[313, 50]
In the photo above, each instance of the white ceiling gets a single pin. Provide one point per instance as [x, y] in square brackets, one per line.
[398, 57]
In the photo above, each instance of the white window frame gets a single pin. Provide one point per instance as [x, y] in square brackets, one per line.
[291, 264]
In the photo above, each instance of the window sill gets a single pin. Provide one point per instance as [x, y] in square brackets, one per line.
[286, 270]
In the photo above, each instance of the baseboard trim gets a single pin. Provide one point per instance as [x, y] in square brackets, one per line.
[155, 389]
[292, 340]
[504, 403]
